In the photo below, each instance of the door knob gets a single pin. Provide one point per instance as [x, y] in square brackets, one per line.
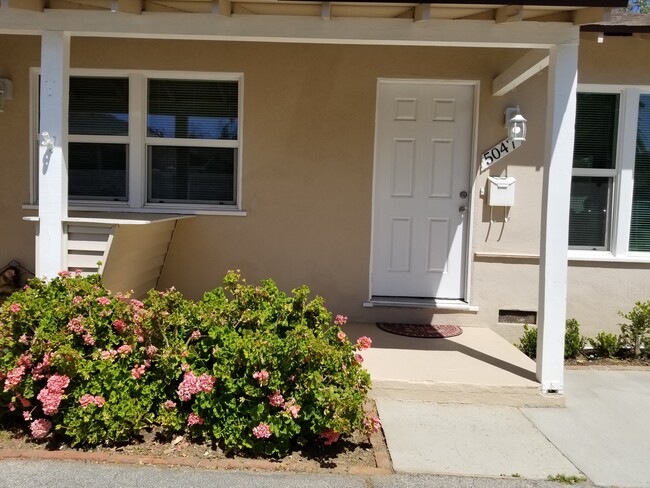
[462, 209]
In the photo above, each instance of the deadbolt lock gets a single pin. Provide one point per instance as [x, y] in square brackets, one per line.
[463, 194]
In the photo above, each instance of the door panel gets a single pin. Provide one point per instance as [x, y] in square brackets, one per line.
[423, 150]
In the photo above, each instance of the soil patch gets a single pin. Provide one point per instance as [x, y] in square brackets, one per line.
[608, 363]
[357, 454]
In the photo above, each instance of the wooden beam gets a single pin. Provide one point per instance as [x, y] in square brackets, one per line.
[222, 7]
[642, 36]
[326, 11]
[35, 5]
[422, 12]
[528, 65]
[511, 13]
[300, 29]
[592, 36]
[130, 6]
[591, 15]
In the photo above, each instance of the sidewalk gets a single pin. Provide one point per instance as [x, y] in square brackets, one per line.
[602, 433]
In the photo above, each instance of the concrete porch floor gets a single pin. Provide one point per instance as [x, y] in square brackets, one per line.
[476, 367]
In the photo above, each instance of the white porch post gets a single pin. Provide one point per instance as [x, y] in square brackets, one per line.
[52, 167]
[560, 121]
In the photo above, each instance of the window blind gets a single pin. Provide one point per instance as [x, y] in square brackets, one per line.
[640, 225]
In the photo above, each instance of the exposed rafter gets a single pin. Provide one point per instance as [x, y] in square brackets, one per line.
[422, 12]
[130, 6]
[591, 15]
[511, 13]
[36, 5]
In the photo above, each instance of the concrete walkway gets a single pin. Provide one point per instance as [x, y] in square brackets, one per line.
[603, 433]
[477, 367]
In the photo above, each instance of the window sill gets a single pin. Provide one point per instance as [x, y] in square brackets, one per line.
[608, 257]
[178, 212]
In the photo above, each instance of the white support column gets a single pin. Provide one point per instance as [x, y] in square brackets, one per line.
[52, 165]
[560, 121]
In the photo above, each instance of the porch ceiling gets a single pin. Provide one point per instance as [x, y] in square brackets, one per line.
[575, 11]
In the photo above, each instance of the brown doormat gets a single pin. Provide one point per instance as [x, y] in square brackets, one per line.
[421, 330]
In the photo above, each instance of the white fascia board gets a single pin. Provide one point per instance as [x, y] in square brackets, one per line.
[268, 28]
[521, 70]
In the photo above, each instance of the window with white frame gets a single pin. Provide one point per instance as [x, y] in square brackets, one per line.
[610, 189]
[153, 140]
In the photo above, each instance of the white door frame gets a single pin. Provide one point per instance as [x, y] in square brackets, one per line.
[472, 174]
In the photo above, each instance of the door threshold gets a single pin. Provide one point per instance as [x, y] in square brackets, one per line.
[414, 302]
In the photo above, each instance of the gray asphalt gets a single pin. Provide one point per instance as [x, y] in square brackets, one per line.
[64, 474]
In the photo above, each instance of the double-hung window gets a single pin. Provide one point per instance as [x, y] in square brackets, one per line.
[610, 189]
[161, 141]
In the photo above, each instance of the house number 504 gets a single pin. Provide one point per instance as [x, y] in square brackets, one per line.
[497, 152]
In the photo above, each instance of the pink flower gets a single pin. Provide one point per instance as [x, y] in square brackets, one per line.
[11, 407]
[50, 400]
[185, 367]
[262, 431]
[58, 382]
[194, 419]
[261, 376]
[40, 368]
[364, 343]
[76, 325]
[340, 320]
[99, 401]
[25, 360]
[275, 399]
[24, 401]
[136, 304]
[138, 371]
[64, 274]
[14, 377]
[191, 385]
[23, 339]
[52, 394]
[341, 335]
[78, 272]
[358, 358]
[372, 424]
[27, 416]
[330, 436]
[124, 349]
[205, 383]
[292, 408]
[184, 354]
[104, 300]
[88, 339]
[119, 326]
[77, 300]
[40, 428]
[86, 400]
[195, 335]
[106, 355]
[14, 307]
[169, 405]
[151, 351]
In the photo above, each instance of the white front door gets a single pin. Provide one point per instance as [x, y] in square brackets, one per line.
[422, 163]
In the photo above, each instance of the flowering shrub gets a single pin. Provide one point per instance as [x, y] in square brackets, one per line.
[248, 366]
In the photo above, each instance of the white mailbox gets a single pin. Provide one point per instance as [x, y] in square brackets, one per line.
[501, 191]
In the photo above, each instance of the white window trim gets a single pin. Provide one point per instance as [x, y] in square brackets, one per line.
[137, 141]
[623, 174]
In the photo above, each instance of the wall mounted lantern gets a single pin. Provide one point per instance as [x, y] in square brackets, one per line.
[516, 124]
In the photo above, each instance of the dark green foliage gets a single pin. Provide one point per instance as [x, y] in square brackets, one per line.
[574, 343]
[528, 342]
[247, 367]
[606, 345]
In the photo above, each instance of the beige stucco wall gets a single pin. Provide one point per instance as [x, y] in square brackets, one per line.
[17, 55]
[308, 142]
